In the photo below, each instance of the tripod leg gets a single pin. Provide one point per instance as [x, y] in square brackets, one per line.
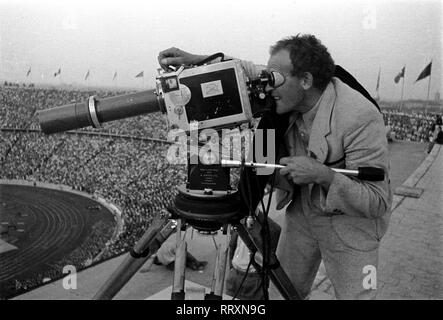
[277, 274]
[178, 286]
[220, 269]
[159, 231]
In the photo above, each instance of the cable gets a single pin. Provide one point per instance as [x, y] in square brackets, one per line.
[244, 276]
[251, 211]
[265, 231]
[241, 186]
[267, 237]
[249, 204]
[265, 234]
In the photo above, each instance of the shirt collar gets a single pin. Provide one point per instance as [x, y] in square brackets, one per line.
[309, 116]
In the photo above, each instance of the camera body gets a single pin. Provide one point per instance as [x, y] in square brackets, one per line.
[215, 96]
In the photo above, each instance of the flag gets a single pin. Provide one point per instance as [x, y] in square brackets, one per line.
[58, 72]
[115, 76]
[87, 75]
[426, 72]
[400, 75]
[139, 75]
[29, 72]
[378, 80]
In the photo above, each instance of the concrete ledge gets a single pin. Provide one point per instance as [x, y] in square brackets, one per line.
[423, 168]
[415, 177]
[409, 192]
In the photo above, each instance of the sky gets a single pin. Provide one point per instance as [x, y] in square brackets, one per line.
[105, 37]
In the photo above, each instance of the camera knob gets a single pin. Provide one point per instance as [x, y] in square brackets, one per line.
[178, 110]
[262, 95]
[249, 222]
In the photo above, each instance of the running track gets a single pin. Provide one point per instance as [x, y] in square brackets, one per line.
[50, 224]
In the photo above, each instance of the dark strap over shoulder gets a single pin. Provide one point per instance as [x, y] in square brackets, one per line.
[349, 79]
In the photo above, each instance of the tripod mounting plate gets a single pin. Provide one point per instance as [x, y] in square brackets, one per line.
[207, 211]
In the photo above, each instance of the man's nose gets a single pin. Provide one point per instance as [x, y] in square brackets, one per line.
[268, 88]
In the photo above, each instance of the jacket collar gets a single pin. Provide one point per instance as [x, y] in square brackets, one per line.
[321, 127]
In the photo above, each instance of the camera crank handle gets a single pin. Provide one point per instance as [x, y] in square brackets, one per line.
[362, 173]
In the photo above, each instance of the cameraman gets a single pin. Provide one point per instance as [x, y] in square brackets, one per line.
[330, 216]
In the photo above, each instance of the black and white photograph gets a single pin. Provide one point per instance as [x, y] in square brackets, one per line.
[237, 151]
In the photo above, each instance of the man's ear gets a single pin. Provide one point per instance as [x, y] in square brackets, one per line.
[307, 80]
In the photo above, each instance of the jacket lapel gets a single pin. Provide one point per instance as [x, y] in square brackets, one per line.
[321, 127]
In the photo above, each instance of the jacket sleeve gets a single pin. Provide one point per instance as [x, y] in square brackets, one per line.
[365, 144]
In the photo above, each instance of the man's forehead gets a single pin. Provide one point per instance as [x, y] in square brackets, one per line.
[281, 61]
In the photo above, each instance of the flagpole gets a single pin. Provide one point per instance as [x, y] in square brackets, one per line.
[60, 78]
[429, 87]
[402, 89]
[378, 84]
[85, 80]
[114, 77]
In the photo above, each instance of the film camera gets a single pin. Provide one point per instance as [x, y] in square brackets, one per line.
[213, 97]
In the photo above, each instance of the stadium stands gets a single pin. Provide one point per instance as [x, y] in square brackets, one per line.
[414, 126]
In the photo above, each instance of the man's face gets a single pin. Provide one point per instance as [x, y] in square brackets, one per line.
[290, 95]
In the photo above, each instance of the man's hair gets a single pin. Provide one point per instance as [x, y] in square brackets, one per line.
[308, 54]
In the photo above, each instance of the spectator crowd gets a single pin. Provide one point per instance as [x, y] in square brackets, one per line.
[412, 126]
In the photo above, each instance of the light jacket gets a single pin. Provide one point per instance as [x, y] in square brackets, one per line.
[348, 132]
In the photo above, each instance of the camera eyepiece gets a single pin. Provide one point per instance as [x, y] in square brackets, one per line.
[273, 78]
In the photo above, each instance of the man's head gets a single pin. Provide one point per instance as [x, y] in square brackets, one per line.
[306, 67]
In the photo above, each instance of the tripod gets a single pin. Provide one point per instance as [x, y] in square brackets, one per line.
[277, 274]
[162, 228]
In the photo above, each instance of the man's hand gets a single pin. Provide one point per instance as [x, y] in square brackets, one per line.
[176, 57]
[305, 170]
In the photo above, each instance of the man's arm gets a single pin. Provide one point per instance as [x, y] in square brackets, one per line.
[365, 145]
[305, 170]
[176, 57]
